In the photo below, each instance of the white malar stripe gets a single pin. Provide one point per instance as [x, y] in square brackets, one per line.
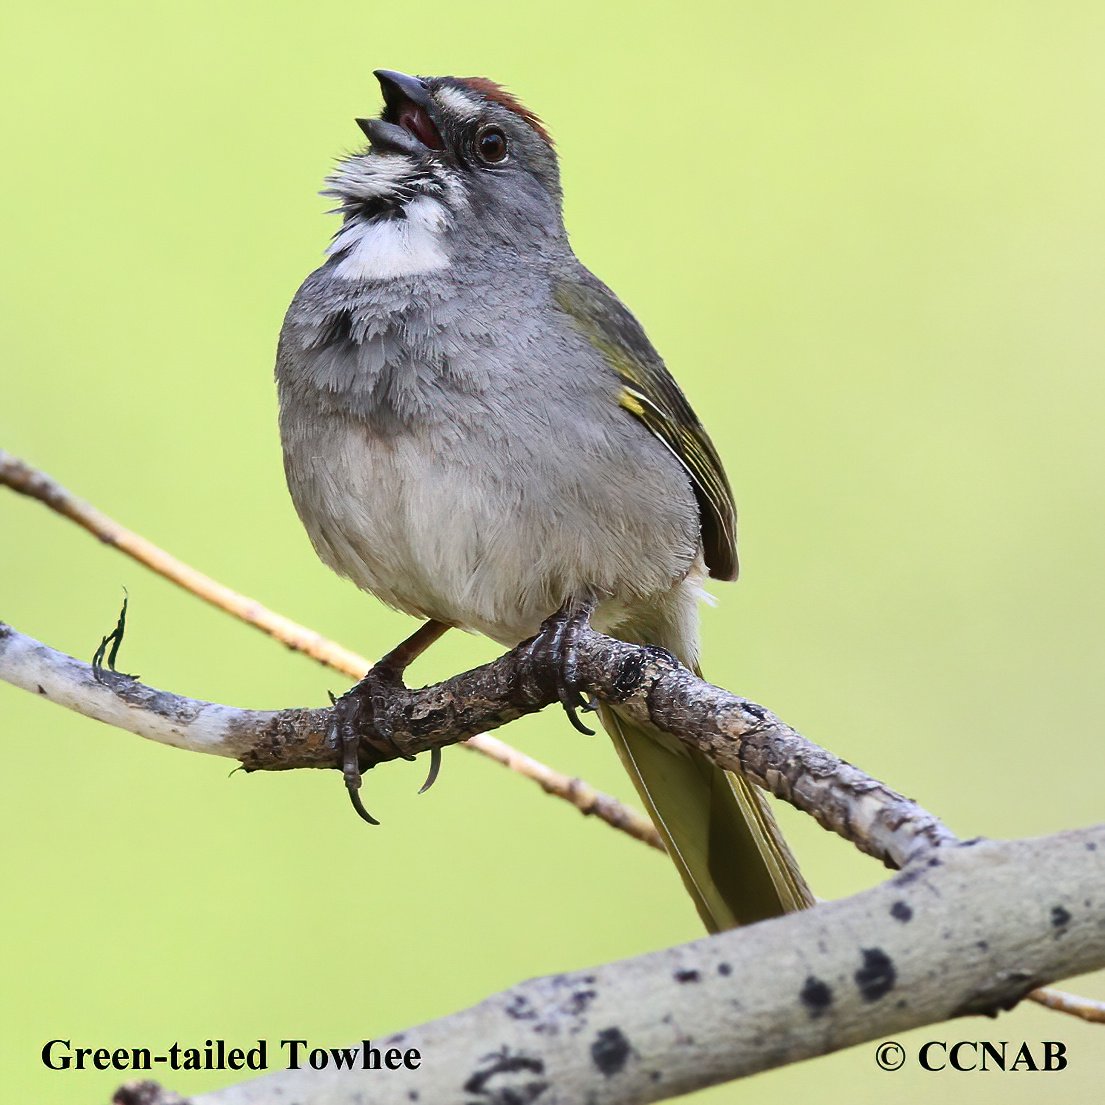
[456, 102]
[383, 249]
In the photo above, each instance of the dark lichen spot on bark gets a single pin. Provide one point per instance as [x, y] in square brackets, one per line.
[724, 969]
[1060, 917]
[875, 979]
[579, 1001]
[520, 1008]
[610, 1051]
[1091, 845]
[816, 996]
[137, 1093]
[412, 1095]
[41, 689]
[982, 945]
[907, 877]
[517, 1093]
[686, 975]
[935, 861]
[655, 1076]
[900, 911]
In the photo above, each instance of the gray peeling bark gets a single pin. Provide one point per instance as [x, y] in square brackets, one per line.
[953, 934]
[646, 682]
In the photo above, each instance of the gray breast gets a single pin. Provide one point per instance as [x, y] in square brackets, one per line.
[460, 453]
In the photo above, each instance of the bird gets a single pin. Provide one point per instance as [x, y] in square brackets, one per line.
[478, 432]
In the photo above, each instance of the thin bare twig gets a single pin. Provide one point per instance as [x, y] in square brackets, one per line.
[1061, 1001]
[27, 480]
[574, 790]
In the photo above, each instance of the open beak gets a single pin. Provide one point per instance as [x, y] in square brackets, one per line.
[406, 125]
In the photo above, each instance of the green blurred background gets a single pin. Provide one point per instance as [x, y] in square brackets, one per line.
[870, 241]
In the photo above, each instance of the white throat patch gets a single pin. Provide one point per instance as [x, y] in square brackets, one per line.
[384, 248]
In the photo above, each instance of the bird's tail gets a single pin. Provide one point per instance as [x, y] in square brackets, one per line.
[717, 828]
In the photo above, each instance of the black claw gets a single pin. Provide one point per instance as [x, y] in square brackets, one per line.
[435, 767]
[370, 696]
[573, 717]
[358, 805]
[343, 731]
[367, 697]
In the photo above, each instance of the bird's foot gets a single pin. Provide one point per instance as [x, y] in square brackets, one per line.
[360, 711]
[557, 644]
[363, 710]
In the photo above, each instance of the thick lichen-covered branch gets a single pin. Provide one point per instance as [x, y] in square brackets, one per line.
[954, 934]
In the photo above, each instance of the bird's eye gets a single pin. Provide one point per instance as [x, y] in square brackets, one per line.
[491, 145]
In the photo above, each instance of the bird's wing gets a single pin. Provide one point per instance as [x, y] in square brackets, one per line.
[651, 395]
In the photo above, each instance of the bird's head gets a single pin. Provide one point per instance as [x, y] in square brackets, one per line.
[459, 151]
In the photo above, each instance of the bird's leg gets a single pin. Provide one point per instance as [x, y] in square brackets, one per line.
[557, 644]
[366, 702]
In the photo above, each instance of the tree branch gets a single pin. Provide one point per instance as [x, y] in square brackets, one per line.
[27, 480]
[649, 683]
[952, 935]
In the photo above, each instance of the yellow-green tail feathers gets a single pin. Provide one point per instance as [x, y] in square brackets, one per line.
[718, 830]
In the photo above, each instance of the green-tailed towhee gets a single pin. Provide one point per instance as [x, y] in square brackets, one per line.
[478, 432]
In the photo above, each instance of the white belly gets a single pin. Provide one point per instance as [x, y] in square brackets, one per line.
[473, 538]
[418, 532]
